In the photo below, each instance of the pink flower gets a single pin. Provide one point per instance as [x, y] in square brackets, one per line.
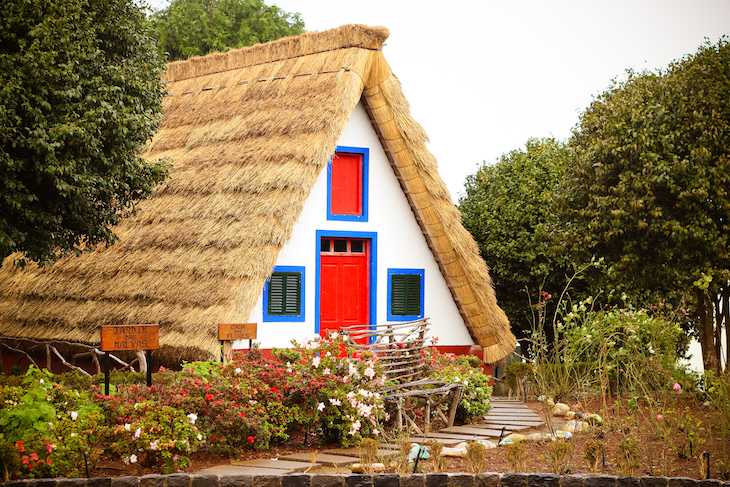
[651, 359]
[677, 387]
[659, 417]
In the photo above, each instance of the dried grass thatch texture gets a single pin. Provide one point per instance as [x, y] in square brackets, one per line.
[248, 132]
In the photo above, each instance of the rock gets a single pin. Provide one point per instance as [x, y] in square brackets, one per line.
[459, 450]
[570, 415]
[560, 409]
[511, 439]
[360, 468]
[538, 437]
[575, 426]
[593, 419]
[565, 435]
[415, 453]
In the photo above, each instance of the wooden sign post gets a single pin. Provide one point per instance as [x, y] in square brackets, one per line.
[236, 331]
[115, 338]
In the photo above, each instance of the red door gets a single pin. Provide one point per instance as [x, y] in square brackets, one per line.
[344, 284]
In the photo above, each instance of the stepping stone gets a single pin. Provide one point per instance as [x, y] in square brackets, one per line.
[449, 439]
[472, 430]
[512, 427]
[323, 458]
[355, 452]
[501, 423]
[223, 470]
[276, 464]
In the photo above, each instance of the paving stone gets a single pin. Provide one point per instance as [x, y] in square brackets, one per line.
[601, 481]
[488, 479]
[92, 482]
[322, 458]
[654, 482]
[356, 480]
[327, 481]
[627, 482]
[240, 470]
[273, 480]
[275, 464]
[437, 480]
[682, 482]
[460, 480]
[414, 480]
[572, 480]
[296, 480]
[471, 430]
[236, 481]
[543, 480]
[147, 481]
[125, 481]
[355, 452]
[514, 480]
[386, 480]
[203, 481]
[177, 480]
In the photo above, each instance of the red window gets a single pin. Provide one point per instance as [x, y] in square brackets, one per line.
[346, 184]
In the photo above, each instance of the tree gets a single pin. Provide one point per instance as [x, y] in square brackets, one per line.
[648, 186]
[196, 27]
[507, 210]
[80, 92]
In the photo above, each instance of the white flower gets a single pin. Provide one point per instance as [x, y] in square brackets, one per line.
[334, 336]
[238, 370]
[73, 434]
[315, 362]
[74, 415]
[370, 372]
[138, 433]
[327, 371]
[200, 437]
[127, 426]
[335, 402]
[133, 458]
[153, 445]
[320, 406]
[193, 417]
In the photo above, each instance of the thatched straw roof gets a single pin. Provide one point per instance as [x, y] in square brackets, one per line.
[249, 132]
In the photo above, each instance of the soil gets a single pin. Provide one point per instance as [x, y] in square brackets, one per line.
[668, 455]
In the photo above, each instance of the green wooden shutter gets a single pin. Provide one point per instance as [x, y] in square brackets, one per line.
[405, 299]
[284, 293]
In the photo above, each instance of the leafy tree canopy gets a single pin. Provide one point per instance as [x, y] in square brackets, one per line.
[507, 208]
[196, 27]
[648, 187]
[80, 92]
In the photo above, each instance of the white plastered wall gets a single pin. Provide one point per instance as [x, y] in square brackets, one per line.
[401, 244]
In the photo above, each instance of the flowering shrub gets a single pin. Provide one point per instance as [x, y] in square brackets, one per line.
[466, 369]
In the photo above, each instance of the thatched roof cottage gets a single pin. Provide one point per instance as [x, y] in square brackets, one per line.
[302, 198]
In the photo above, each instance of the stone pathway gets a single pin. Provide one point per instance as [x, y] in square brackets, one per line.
[506, 416]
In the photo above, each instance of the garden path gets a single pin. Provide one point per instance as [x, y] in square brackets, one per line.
[506, 416]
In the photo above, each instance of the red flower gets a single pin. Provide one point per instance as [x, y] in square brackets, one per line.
[34, 456]
[49, 447]
[251, 439]
[19, 446]
[400, 345]
[274, 390]
[48, 461]
[25, 459]
[209, 397]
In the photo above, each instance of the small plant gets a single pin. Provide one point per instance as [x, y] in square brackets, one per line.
[628, 457]
[368, 450]
[517, 457]
[593, 453]
[404, 449]
[476, 457]
[9, 460]
[559, 454]
[438, 461]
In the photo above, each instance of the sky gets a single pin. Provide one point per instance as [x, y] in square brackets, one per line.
[482, 77]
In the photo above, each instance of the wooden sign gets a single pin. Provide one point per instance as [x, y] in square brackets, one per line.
[236, 331]
[130, 337]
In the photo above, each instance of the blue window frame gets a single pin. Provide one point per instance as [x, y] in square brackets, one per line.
[405, 294]
[364, 153]
[284, 294]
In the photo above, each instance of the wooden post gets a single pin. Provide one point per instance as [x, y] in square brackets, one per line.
[454, 405]
[148, 353]
[106, 373]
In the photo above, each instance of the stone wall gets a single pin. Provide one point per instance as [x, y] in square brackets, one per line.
[377, 480]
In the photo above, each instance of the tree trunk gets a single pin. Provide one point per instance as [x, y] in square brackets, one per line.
[726, 318]
[707, 334]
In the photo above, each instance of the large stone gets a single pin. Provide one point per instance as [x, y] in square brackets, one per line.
[543, 480]
[514, 480]
[487, 479]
